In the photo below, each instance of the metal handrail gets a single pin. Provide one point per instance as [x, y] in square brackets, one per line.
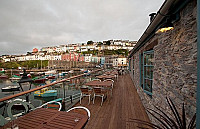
[41, 87]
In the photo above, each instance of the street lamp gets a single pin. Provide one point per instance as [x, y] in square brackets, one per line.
[25, 79]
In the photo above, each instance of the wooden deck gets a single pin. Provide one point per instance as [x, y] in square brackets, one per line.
[116, 112]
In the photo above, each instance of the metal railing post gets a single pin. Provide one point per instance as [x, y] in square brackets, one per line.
[64, 90]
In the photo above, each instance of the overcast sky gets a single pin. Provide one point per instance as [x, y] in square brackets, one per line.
[26, 24]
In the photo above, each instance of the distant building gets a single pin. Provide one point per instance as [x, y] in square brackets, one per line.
[35, 50]
[102, 60]
[88, 57]
[119, 61]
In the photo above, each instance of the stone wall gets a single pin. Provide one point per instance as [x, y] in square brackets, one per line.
[175, 66]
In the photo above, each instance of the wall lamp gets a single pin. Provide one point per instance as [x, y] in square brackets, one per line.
[167, 25]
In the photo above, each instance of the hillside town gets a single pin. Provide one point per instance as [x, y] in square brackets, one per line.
[80, 52]
[152, 83]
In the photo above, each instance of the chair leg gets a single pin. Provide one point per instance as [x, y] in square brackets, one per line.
[80, 98]
[93, 98]
[102, 100]
[89, 100]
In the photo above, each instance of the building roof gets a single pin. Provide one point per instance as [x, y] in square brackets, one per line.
[168, 7]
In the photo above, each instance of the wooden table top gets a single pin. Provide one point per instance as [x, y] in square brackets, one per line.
[112, 72]
[52, 119]
[98, 83]
[106, 76]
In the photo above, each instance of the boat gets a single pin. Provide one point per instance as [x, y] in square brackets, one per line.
[10, 88]
[82, 70]
[2, 70]
[15, 78]
[63, 73]
[71, 71]
[39, 80]
[50, 72]
[4, 76]
[51, 76]
[86, 71]
[45, 92]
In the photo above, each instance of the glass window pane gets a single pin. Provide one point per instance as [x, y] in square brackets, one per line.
[148, 58]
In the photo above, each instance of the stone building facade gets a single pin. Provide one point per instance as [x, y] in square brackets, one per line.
[174, 65]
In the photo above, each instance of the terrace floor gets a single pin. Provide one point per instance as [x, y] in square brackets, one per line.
[116, 111]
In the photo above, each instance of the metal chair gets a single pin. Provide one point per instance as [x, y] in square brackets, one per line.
[96, 80]
[85, 91]
[52, 105]
[100, 92]
[110, 80]
[110, 87]
[81, 110]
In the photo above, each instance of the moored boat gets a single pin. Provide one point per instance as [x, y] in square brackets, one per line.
[50, 72]
[10, 88]
[39, 80]
[2, 70]
[63, 73]
[15, 78]
[45, 92]
[51, 76]
[71, 71]
[4, 76]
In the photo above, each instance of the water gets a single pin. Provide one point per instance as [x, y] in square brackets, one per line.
[36, 101]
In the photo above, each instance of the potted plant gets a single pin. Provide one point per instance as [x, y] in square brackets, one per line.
[166, 121]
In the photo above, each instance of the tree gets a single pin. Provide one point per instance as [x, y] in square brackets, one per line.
[90, 42]
[108, 43]
[100, 43]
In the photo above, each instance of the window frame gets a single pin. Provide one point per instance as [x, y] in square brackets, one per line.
[143, 71]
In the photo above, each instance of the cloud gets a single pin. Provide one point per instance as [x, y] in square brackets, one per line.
[27, 24]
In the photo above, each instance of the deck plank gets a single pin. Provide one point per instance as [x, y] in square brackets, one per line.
[117, 110]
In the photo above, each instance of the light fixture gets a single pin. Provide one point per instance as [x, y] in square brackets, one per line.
[166, 26]
[25, 80]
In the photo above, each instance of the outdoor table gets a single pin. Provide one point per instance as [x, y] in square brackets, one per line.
[112, 72]
[42, 118]
[106, 77]
[99, 83]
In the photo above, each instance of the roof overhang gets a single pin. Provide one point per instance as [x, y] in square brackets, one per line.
[168, 7]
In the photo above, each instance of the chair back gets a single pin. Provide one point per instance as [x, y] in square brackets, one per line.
[81, 110]
[96, 80]
[109, 80]
[52, 105]
[97, 90]
[84, 89]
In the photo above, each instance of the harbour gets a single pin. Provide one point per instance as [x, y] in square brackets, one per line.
[36, 101]
[151, 83]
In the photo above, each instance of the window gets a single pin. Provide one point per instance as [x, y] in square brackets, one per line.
[146, 71]
[141, 69]
[129, 66]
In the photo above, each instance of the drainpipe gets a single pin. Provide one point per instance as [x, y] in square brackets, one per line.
[198, 66]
